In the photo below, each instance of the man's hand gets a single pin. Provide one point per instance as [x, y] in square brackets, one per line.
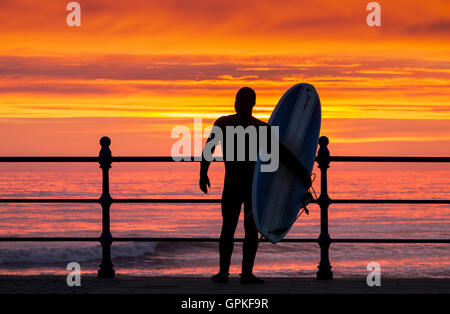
[204, 181]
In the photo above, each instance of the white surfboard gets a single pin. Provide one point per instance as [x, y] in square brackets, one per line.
[277, 196]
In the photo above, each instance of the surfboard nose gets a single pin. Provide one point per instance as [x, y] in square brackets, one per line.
[308, 86]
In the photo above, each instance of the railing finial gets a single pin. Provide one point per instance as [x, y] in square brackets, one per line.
[324, 141]
[323, 155]
[105, 155]
[105, 141]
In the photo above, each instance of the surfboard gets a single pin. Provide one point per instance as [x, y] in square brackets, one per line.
[277, 196]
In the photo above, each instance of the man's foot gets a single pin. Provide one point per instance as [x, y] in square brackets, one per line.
[220, 277]
[250, 279]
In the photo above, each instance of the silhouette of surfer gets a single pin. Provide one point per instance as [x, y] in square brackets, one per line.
[238, 188]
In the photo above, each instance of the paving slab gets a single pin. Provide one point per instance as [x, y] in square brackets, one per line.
[188, 285]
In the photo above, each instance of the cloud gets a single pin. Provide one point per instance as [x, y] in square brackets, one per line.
[203, 67]
[198, 84]
[216, 26]
[436, 28]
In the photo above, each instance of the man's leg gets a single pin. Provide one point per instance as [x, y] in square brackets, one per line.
[231, 208]
[251, 239]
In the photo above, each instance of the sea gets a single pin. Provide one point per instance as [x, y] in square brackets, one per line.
[180, 180]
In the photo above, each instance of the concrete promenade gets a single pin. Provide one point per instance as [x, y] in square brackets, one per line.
[187, 285]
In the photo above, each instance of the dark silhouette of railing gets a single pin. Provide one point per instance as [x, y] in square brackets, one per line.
[105, 159]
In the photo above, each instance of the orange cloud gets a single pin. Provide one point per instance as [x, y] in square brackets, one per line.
[220, 26]
[168, 86]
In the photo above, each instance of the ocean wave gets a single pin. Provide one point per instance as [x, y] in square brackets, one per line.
[53, 255]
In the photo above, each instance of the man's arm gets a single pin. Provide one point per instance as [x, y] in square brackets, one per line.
[204, 166]
[205, 162]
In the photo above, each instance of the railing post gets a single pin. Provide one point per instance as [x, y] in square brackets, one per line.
[324, 240]
[106, 266]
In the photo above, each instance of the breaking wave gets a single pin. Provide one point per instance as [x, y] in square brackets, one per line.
[49, 255]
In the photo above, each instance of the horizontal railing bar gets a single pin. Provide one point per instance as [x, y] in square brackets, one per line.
[139, 239]
[345, 201]
[50, 239]
[155, 159]
[119, 239]
[181, 239]
[48, 200]
[209, 201]
[195, 159]
[168, 200]
[49, 159]
[387, 201]
[130, 239]
[387, 159]
[390, 241]
[132, 200]
[93, 159]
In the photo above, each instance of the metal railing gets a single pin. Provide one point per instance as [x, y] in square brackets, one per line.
[105, 159]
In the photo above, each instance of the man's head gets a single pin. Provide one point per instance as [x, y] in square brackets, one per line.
[245, 100]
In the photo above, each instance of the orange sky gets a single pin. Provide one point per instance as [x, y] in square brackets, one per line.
[135, 69]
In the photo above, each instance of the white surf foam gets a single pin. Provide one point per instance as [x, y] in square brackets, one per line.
[46, 255]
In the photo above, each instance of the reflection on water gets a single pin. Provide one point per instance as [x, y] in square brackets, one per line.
[204, 220]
